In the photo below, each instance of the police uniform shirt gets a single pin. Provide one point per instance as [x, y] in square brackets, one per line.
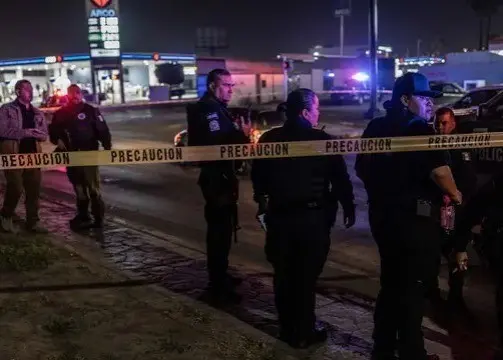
[213, 124]
[81, 127]
[291, 182]
[416, 167]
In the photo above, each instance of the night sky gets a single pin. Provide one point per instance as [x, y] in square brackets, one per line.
[257, 29]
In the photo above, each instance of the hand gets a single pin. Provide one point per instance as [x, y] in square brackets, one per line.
[34, 133]
[462, 261]
[349, 217]
[244, 126]
[457, 198]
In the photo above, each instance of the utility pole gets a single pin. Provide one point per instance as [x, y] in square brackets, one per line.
[342, 9]
[373, 110]
[341, 42]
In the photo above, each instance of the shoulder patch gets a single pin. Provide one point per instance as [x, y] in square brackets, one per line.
[214, 125]
[212, 116]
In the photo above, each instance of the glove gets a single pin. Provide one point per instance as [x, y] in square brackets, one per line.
[349, 216]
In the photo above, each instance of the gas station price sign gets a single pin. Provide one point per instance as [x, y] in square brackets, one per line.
[103, 30]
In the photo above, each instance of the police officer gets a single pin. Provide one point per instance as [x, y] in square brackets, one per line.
[485, 208]
[404, 213]
[298, 197]
[80, 127]
[463, 170]
[210, 123]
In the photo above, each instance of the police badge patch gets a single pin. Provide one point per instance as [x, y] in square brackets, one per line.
[81, 116]
[214, 125]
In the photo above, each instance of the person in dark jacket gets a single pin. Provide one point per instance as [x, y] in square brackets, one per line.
[405, 192]
[298, 198]
[485, 208]
[463, 171]
[81, 127]
[210, 123]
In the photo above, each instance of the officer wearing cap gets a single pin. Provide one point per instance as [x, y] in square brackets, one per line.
[298, 198]
[210, 123]
[81, 127]
[404, 215]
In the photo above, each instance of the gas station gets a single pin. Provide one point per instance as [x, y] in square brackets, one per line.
[106, 74]
[53, 74]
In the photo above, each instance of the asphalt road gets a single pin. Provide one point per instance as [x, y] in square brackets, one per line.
[166, 198]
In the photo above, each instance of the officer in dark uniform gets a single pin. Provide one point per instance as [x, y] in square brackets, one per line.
[486, 208]
[405, 192]
[80, 127]
[463, 170]
[298, 197]
[210, 123]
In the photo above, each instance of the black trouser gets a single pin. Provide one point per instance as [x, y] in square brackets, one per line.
[456, 278]
[297, 246]
[409, 247]
[86, 184]
[220, 213]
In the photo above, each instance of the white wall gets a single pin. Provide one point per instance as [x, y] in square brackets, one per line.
[274, 87]
[81, 76]
[317, 80]
[245, 89]
[138, 75]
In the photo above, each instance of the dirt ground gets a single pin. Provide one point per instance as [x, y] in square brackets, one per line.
[56, 306]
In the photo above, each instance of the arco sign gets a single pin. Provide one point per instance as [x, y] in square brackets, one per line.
[101, 3]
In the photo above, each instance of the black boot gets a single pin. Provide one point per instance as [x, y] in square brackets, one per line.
[98, 210]
[82, 219]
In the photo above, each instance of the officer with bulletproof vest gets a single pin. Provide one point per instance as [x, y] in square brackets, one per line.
[463, 170]
[210, 123]
[405, 193]
[79, 126]
[297, 200]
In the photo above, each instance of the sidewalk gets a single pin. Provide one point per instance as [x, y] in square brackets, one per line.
[171, 264]
[58, 305]
[62, 298]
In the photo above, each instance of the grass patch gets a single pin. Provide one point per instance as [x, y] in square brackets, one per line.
[18, 253]
[106, 323]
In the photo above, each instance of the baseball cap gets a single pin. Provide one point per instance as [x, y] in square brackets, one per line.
[413, 84]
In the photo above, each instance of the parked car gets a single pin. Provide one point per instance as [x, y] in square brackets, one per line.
[452, 92]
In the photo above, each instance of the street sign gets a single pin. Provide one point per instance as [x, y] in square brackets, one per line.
[342, 8]
[103, 32]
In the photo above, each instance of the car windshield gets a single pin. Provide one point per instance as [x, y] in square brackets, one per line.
[476, 98]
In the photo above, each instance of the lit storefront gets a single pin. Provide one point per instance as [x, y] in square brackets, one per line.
[53, 74]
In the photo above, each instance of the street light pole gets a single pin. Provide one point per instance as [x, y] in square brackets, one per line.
[373, 110]
[341, 35]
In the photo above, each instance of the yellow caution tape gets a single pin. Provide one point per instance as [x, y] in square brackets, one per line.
[251, 151]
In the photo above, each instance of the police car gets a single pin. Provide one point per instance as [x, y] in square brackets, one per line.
[481, 111]
[468, 106]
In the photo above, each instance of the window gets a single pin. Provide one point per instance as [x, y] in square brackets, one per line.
[476, 98]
